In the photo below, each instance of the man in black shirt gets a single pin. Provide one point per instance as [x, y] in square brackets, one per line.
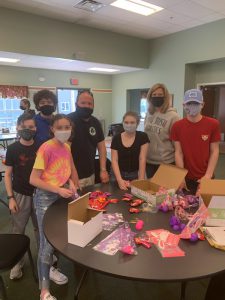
[20, 157]
[88, 136]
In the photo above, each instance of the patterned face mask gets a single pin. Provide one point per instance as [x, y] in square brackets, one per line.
[192, 109]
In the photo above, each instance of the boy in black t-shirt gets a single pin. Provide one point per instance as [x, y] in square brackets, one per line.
[20, 157]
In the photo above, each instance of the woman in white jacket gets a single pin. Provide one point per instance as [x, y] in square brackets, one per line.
[158, 123]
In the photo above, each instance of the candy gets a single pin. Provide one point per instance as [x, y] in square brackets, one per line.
[134, 210]
[139, 225]
[136, 202]
[128, 250]
[194, 237]
[142, 241]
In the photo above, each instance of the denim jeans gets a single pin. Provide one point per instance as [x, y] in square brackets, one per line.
[42, 200]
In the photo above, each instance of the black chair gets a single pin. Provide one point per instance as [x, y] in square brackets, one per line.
[115, 128]
[13, 248]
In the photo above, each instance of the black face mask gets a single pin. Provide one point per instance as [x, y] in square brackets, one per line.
[84, 112]
[27, 134]
[22, 107]
[157, 101]
[47, 110]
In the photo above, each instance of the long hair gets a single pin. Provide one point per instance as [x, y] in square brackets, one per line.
[166, 103]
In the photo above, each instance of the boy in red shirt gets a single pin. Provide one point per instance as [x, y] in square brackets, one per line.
[196, 139]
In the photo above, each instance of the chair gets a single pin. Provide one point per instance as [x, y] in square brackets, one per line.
[13, 248]
[115, 129]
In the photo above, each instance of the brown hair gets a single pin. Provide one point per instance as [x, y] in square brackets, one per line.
[132, 114]
[58, 117]
[166, 103]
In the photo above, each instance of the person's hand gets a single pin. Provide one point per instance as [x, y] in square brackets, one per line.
[183, 186]
[72, 187]
[65, 193]
[104, 176]
[123, 184]
[13, 206]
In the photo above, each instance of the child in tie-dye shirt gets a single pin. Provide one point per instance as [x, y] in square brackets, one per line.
[54, 175]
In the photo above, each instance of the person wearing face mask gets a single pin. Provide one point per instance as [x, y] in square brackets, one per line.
[196, 140]
[54, 175]
[45, 102]
[25, 106]
[158, 122]
[128, 152]
[88, 137]
[20, 157]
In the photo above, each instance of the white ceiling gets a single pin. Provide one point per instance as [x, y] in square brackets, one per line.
[177, 15]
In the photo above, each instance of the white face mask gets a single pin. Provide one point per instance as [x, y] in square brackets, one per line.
[130, 128]
[62, 136]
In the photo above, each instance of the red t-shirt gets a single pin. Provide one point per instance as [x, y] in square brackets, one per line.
[195, 140]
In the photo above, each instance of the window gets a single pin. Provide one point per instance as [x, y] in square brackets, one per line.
[66, 100]
[143, 107]
[9, 113]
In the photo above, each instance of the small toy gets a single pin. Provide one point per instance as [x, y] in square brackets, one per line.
[143, 240]
[128, 250]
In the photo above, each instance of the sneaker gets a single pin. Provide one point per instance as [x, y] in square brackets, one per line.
[47, 296]
[56, 276]
[16, 272]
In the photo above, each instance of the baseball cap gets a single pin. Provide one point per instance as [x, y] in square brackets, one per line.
[193, 95]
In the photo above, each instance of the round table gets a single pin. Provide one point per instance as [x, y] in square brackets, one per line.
[200, 260]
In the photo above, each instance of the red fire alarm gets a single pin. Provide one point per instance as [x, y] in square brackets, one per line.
[74, 81]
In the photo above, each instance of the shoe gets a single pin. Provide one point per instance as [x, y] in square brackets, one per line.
[16, 272]
[48, 296]
[57, 276]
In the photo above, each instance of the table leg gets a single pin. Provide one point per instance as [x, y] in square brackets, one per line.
[183, 288]
[80, 275]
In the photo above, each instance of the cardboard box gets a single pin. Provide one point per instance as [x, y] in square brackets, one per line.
[211, 187]
[167, 176]
[213, 195]
[84, 223]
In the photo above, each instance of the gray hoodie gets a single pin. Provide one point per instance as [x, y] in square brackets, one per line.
[158, 126]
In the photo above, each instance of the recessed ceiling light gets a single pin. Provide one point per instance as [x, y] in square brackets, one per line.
[103, 69]
[137, 6]
[9, 60]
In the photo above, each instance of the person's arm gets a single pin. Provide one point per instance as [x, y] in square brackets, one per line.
[142, 161]
[8, 185]
[104, 176]
[116, 170]
[179, 158]
[35, 180]
[74, 180]
[213, 158]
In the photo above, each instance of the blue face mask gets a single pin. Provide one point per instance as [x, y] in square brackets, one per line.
[192, 109]
[130, 128]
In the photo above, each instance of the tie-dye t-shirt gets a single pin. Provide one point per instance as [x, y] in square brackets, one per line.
[54, 159]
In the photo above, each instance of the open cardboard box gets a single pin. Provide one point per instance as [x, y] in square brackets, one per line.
[84, 223]
[209, 189]
[167, 176]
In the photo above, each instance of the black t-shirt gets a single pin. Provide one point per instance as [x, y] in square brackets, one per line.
[128, 157]
[21, 158]
[86, 136]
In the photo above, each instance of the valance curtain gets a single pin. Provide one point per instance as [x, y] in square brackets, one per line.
[12, 91]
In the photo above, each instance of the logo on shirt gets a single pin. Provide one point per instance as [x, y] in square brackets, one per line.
[205, 137]
[92, 131]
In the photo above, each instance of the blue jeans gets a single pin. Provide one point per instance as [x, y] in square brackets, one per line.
[42, 200]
